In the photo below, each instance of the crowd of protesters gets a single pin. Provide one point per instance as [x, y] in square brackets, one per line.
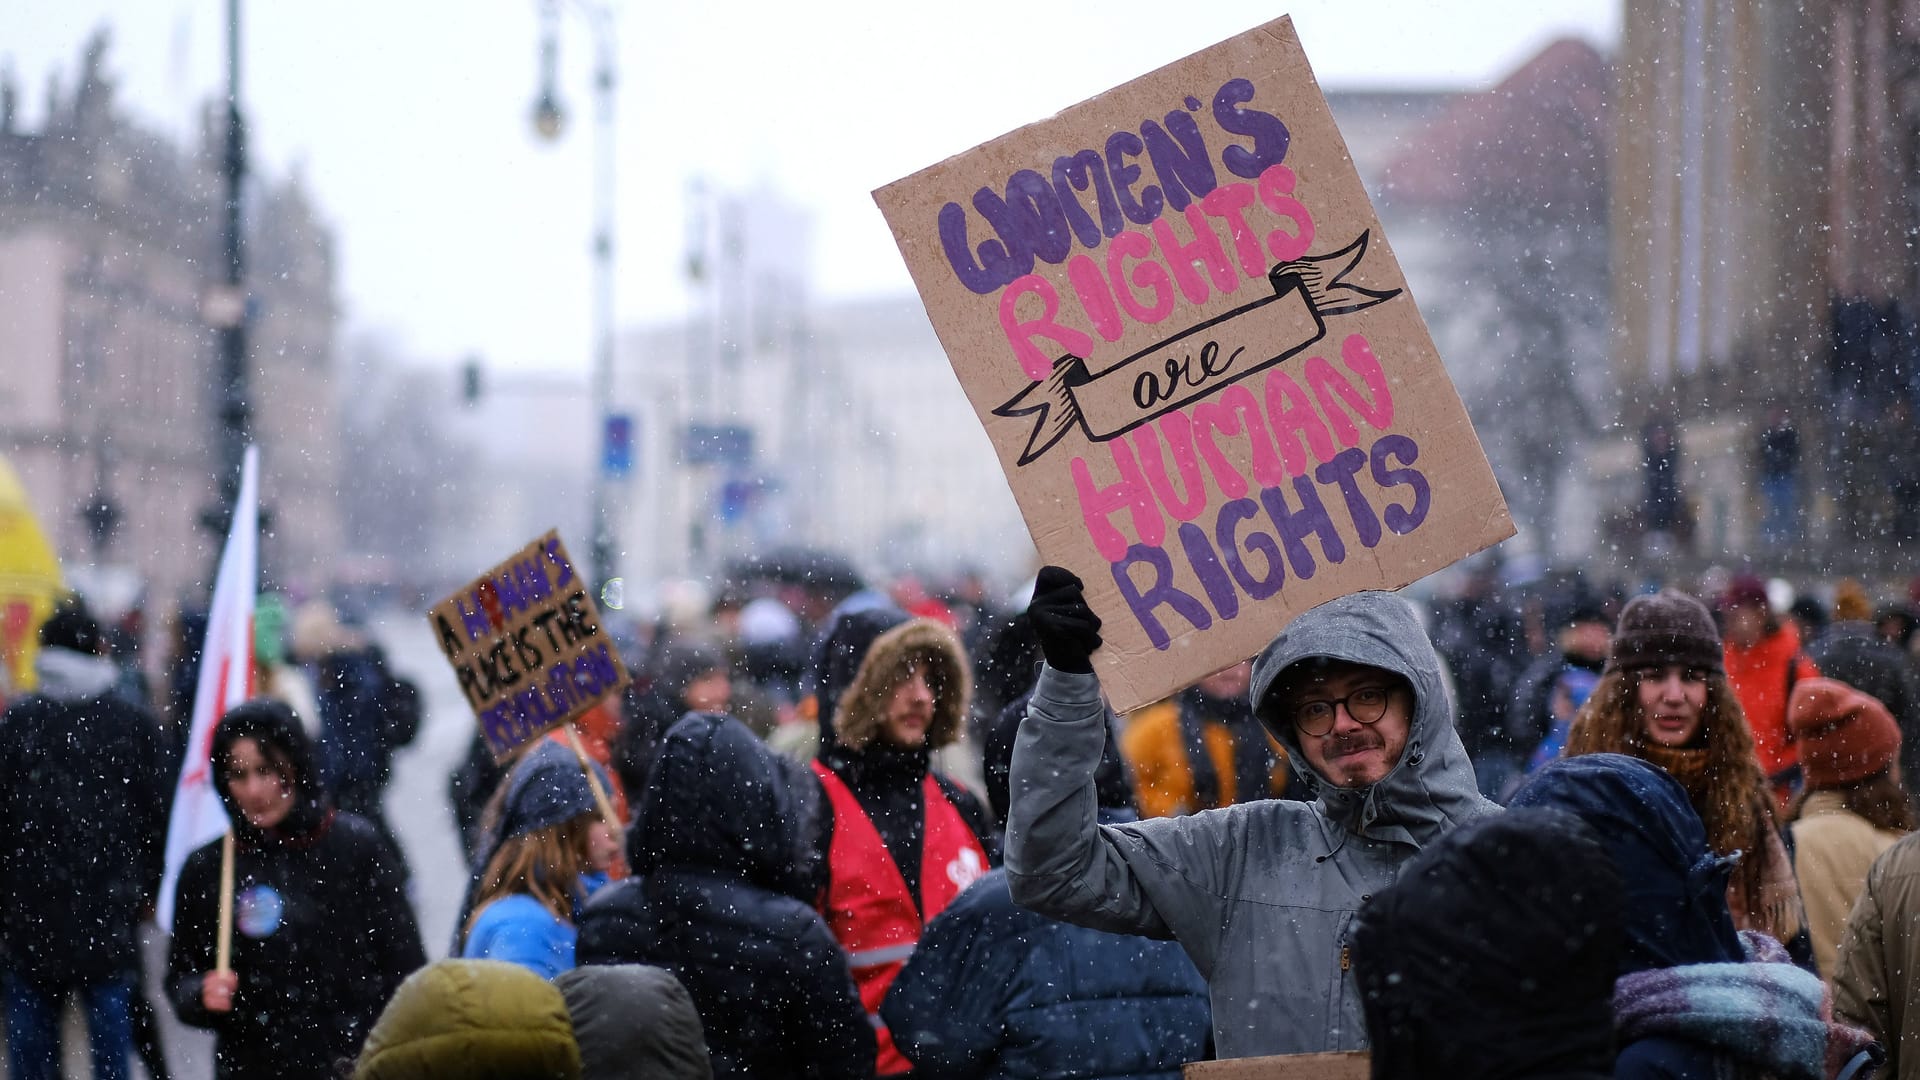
[829, 831]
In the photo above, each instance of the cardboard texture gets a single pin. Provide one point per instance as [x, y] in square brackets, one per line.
[1284, 1067]
[1173, 310]
[527, 645]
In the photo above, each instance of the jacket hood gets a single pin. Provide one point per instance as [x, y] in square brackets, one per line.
[681, 663]
[69, 676]
[547, 787]
[719, 801]
[1676, 907]
[482, 1019]
[634, 1020]
[1494, 954]
[863, 706]
[1432, 788]
[274, 726]
[839, 656]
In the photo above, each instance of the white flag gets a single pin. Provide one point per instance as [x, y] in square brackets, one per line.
[226, 680]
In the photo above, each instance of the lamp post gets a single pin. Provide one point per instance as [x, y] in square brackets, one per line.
[549, 121]
[224, 307]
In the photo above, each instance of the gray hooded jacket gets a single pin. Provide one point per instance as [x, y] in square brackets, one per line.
[1261, 895]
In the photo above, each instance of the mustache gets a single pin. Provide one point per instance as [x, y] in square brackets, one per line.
[1364, 739]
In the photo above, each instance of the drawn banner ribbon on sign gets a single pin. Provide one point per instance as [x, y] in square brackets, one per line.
[1199, 361]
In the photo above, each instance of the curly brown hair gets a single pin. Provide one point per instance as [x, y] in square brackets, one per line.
[1727, 790]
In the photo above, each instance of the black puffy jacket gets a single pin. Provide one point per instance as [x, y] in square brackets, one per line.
[322, 932]
[82, 819]
[727, 857]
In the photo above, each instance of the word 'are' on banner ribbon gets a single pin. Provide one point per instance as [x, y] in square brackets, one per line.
[1199, 361]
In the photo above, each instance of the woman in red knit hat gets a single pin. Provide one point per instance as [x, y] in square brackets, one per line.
[1854, 805]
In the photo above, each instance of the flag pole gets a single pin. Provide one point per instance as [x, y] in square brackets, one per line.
[593, 780]
[223, 952]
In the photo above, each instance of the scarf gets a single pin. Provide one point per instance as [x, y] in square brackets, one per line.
[1764, 895]
[1767, 1013]
[1728, 830]
[1685, 764]
[1777, 911]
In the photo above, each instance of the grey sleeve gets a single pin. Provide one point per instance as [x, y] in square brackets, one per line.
[1161, 878]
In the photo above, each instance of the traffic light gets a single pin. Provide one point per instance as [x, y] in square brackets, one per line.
[470, 382]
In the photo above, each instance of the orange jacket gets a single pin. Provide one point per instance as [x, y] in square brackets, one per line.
[1762, 677]
[1157, 756]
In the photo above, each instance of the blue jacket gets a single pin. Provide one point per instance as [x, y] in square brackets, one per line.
[995, 990]
[520, 930]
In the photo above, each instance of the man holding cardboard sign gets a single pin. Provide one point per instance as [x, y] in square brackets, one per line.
[1177, 318]
[1261, 895]
[1183, 330]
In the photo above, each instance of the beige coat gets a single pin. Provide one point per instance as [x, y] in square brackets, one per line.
[1876, 982]
[1833, 848]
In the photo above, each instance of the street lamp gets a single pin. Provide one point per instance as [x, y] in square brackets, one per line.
[549, 120]
[225, 306]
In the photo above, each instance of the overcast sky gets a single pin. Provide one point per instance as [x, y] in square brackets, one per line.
[459, 233]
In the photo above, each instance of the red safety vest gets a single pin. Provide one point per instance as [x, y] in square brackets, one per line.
[868, 907]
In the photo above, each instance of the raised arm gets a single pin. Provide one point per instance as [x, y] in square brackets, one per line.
[1159, 878]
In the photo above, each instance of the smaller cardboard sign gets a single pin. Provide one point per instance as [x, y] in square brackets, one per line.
[1353, 1066]
[527, 645]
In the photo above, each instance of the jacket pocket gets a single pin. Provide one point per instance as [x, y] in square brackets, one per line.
[1346, 1025]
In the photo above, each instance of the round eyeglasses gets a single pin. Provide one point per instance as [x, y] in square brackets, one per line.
[1366, 705]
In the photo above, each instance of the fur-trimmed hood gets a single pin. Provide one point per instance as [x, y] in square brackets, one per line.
[864, 704]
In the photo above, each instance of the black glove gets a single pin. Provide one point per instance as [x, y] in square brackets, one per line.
[1068, 630]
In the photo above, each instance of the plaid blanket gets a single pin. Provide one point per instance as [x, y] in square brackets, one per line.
[1767, 1013]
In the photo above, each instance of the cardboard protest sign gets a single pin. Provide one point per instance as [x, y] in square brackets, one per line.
[1174, 311]
[1355, 1066]
[527, 645]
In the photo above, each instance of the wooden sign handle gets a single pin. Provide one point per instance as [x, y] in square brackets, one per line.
[593, 780]
[223, 951]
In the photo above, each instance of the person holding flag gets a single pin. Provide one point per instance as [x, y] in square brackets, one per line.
[291, 932]
[248, 812]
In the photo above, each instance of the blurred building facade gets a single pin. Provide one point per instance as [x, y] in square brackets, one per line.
[1765, 185]
[770, 420]
[1679, 290]
[1496, 205]
[109, 239]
